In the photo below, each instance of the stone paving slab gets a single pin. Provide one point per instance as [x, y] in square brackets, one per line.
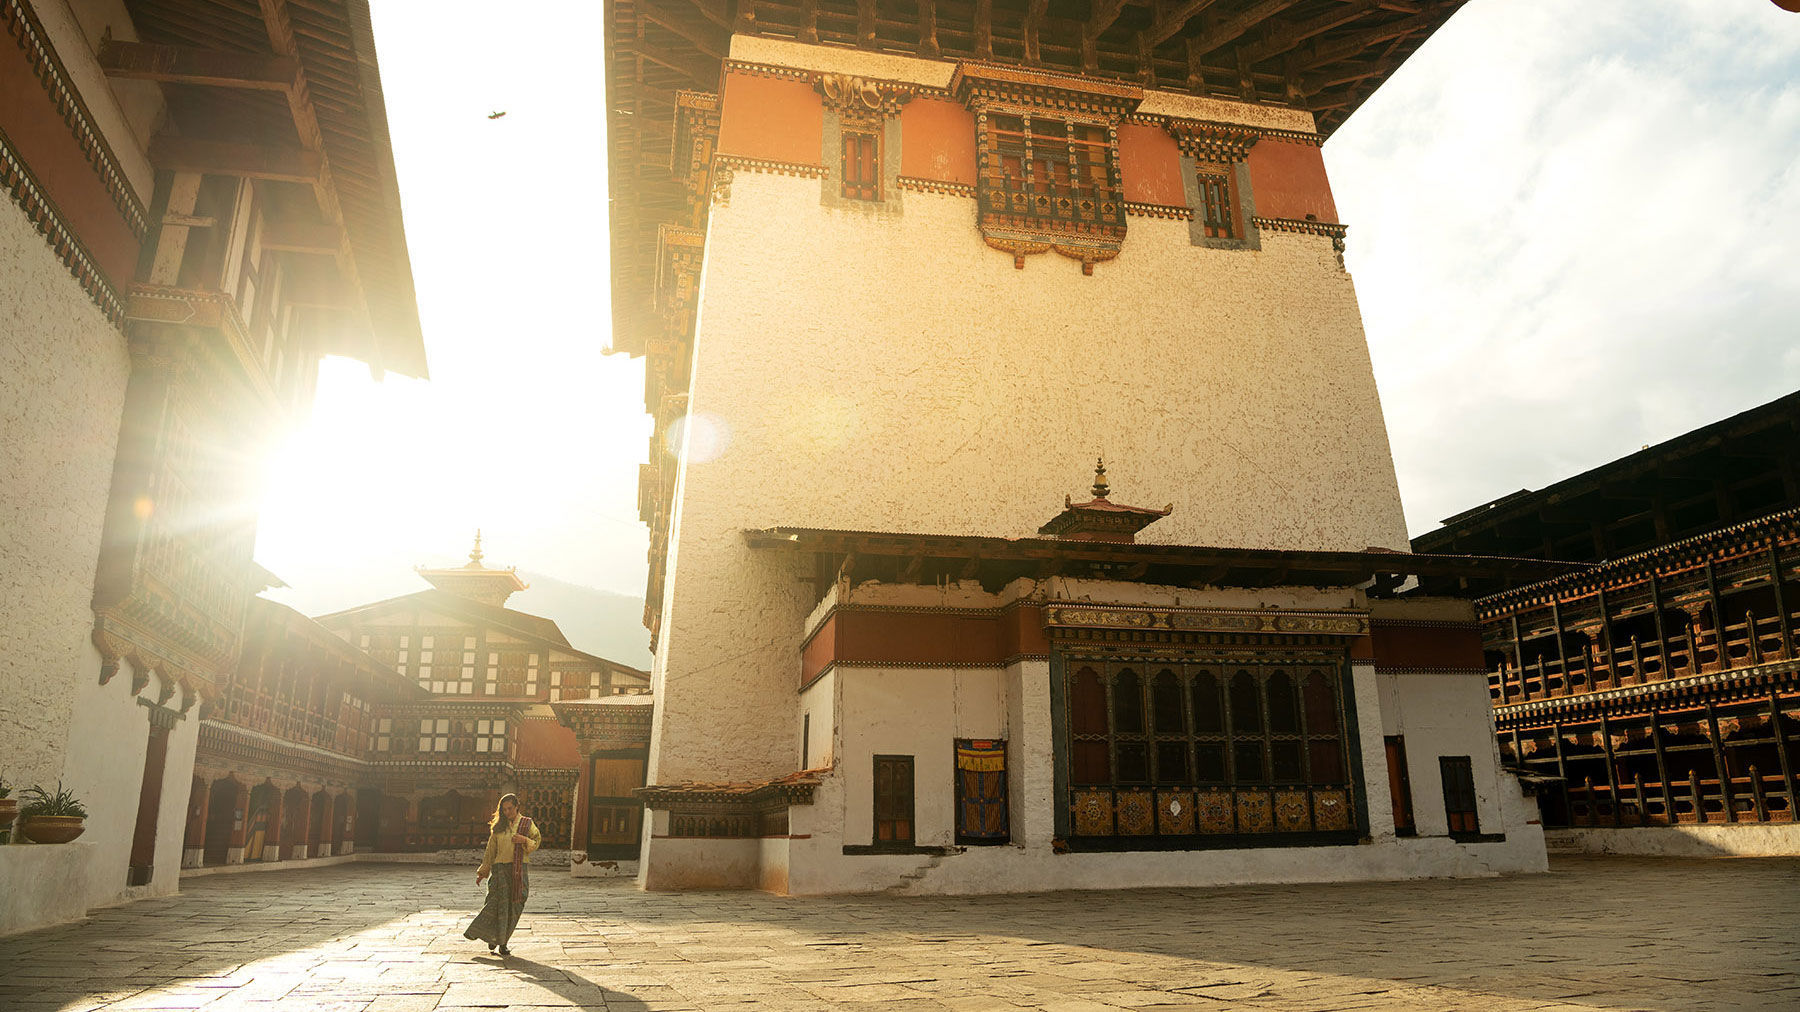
[1596, 933]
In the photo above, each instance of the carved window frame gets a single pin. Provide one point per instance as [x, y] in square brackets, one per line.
[1218, 149]
[857, 105]
[1088, 227]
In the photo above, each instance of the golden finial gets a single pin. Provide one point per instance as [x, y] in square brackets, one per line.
[475, 553]
[1101, 488]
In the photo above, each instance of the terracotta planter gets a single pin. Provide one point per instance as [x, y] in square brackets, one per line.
[9, 810]
[51, 828]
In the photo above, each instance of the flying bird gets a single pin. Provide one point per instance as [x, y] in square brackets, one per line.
[496, 115]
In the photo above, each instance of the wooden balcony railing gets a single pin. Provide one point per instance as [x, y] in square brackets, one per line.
[1749, 642]
[1754, 797]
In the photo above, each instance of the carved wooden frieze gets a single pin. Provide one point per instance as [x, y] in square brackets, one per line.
[1300, 623]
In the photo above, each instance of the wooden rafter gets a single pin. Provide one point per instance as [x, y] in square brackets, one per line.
[1165, 26]
[144, 61]
[708, 43]
[246, 161]
[1216, 35]
[1282, 39]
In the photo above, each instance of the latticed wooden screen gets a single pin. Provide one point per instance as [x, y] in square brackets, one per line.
[1237, 746]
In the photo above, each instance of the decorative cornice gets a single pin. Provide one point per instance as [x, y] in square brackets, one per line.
[859, 98]
[1300, 623]
[1307, 226]
[770, 70]
[1208, 141]
[18, 21]
[1291, 136]
[18, 181]
[1175, 211]
[1403, 669]
[743, 164]
[945, 187]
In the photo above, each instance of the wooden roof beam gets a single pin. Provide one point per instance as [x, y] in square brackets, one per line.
[1233, 27]
[699, 70]
[687, 30]
[223, 158]
[1164, 28]
[318, 238]
[143, 61]
[1034, 28]
[1105, 13]
[1356, 42]
[1281, 40]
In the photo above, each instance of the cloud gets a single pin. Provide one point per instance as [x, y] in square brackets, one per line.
[1572, 229]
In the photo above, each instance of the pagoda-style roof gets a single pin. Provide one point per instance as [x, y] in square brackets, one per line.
[476, 581]
[1323, 56]
[1101, 519]
[901, 557]
[301, 111]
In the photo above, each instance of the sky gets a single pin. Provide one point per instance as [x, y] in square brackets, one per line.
[1574, 228]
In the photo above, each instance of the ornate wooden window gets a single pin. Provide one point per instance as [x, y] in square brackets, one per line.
[893, 800]
[490, 736]
[981, 805]
[1218, 217]
[384, 729]
[434, 734]
[1214, 157]
[1459, 794]
[1184, 748]
[1047, 162]
[862, 165]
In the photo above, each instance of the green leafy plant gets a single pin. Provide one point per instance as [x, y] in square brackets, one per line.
[41, 802]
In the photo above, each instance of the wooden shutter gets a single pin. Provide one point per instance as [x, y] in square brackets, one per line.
[1399, 785]
[861, 166]
[894, 800]
[1459, 793]
[1218, 217]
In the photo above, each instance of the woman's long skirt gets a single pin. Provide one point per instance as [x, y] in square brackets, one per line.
[500, 915]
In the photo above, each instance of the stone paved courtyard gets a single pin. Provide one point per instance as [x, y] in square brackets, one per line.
[1606, 933]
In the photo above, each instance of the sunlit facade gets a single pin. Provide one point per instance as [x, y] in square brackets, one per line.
[201, 204]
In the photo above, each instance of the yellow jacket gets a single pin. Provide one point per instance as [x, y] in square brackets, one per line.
[500, 845]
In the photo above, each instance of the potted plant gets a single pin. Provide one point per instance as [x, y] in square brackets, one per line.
[51, 818]
[9, 810]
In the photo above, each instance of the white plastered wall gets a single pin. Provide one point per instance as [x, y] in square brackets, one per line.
[109, 780]
[63, 371]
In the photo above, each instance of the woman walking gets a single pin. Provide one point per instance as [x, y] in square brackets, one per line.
[511, 839]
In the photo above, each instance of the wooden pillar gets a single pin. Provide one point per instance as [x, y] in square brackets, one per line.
[984, 29]
[1718, 619]
[1562, 769]
[193, 847]
[1612, 771]
[1562, 654]
[1606, 643]
[1518, 655]
[579, 818]
[142, 861]
[1662, 633]
[1662, 766]
[1718, 751]
[275, 826]
[1781, 749]
[240, 822]
[1787, 632]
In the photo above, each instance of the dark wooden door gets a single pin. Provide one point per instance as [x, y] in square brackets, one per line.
[1399, 785]
[894, 800]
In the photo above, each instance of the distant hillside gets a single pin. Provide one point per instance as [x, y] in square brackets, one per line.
[598, 621]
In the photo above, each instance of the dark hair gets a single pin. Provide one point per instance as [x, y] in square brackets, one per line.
[494, 823]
